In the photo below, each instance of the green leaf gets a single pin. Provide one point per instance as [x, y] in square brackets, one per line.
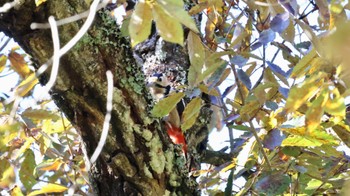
[124, 29]
[164, 106]
[168, 27]
[273, 184]
[27, 170]
[239, 127]
[291, 151]
[140, 23]
[228, 189]
[190, 114]
[175, 9]
[315, 184]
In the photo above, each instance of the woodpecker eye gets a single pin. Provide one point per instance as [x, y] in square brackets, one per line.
[159, 79]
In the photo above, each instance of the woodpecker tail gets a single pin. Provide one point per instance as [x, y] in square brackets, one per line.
[176, 136]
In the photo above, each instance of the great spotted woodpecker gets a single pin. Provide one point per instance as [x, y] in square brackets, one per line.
[159, 87]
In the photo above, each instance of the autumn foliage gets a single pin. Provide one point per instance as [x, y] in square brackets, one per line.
[278, 70]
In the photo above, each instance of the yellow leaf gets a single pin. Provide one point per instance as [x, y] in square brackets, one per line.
[7, 173]
[296, 140]
[50, 165]
[168, 27]
[49, 188]
[28, 142]
[212, 62]
[250, 108]
[315, 112]
[18, 64]
[213, 20]
[190, 114]
[197, 173]
[300, 137]
[59, 126]
[299, 95]
[198, 8]
[39, 114]
[316, 64]
[343, 132]
[164, 106]
[289, 33]
[196, 53]
[39, 2]
[16, 191]
[309, 32]
[140, 23]
[295, 130]
[223, 77]
[262, 89]
[26, 85]
[230, 166]
[175, 9]
[176, 3]
[300, 69]
[206, 90]
[336, 104]
[3, 60]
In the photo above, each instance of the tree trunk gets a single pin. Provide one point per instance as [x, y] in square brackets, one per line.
[138, 158]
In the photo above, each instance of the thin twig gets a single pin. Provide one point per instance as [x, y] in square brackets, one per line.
[5, 44]
[263, 66]
[330, 174]
[252, 129]
[230, 130]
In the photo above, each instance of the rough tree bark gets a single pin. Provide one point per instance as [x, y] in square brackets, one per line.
[137, 159]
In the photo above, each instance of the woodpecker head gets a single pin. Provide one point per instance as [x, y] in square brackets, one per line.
[159, 86]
